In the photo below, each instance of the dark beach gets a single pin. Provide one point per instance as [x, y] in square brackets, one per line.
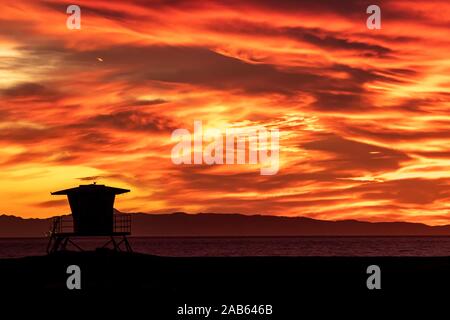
[244, 279]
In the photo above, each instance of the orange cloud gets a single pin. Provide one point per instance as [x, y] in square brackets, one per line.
[363, 113]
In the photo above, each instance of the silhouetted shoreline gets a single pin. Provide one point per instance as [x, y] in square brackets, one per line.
[157, 286]
[105, 270]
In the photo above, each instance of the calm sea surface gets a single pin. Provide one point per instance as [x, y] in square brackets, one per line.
[255, 246]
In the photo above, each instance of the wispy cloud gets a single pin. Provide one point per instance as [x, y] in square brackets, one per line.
[363, 113]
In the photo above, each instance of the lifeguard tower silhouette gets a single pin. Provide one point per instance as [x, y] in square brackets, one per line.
[92, 216]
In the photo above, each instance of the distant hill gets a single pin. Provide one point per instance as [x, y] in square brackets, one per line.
[12, 226]
[212, 224]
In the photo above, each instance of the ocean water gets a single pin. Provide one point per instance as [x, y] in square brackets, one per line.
[253, 246]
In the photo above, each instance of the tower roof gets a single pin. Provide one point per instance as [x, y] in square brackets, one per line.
[91, 188]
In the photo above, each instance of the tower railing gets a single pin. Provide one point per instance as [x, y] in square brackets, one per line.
[122, 223]
[64, 224]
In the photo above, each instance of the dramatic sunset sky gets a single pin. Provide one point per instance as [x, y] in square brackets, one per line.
[364, 115]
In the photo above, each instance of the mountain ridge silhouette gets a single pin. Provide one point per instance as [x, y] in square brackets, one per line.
[235, 224]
